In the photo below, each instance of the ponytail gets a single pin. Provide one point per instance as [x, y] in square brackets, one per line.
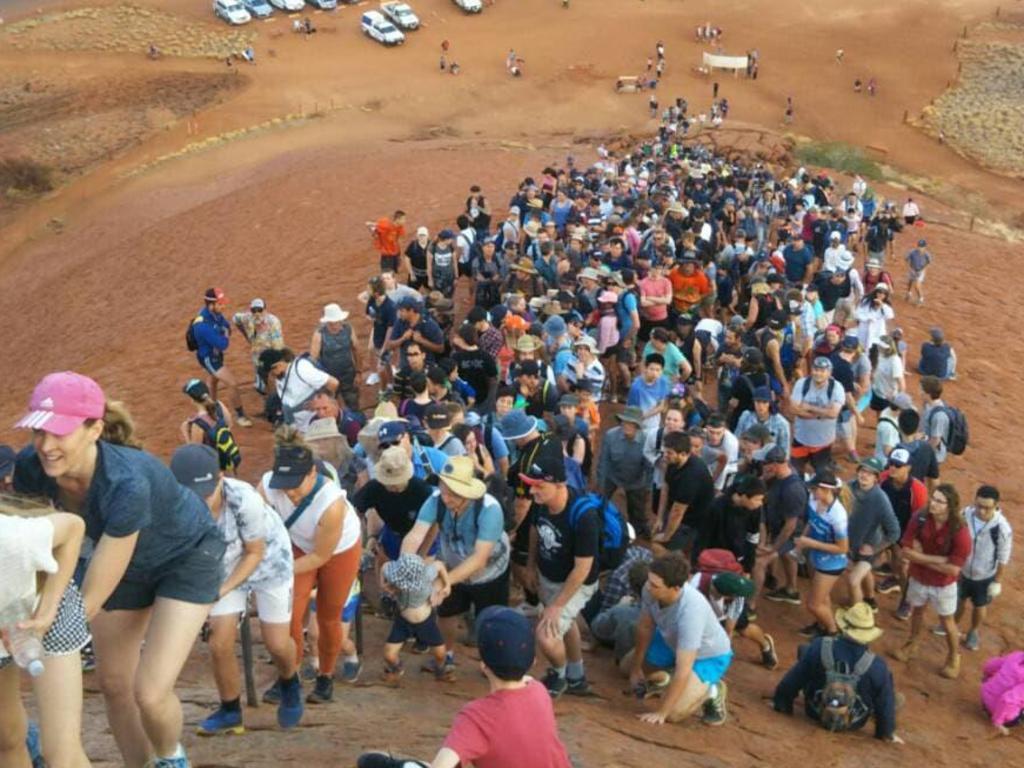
[210, 405]
[845, 497]
[118, 426]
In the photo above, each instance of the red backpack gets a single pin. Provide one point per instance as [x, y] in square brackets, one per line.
[711, 562]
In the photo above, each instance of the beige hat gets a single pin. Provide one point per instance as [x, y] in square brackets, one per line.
[322, 429]
[368, 435]
[458, 474]
[858, 623]
[333, 314]
[386, 410]
[394, 467]
[528, 343]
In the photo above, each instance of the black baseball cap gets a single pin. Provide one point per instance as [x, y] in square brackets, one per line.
[292, 464]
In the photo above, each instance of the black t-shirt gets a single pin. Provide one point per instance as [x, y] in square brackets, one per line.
[691, 484]
[786, 499]
[397, 510]
[559, 544]
[545, 449]
[417, 256]
[901, 499]
[477, 368]
[923, 461]
[735, 529]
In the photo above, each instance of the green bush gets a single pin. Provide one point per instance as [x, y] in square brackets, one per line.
[25, 176]
[840, 157]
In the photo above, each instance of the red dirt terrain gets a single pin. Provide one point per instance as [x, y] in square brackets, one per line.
[102, 275]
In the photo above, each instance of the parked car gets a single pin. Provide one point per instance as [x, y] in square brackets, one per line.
[324, 5]
[380, 29]
[470, 6]
[232, 11]
[289, 5]
[258, 9]
[401, 14]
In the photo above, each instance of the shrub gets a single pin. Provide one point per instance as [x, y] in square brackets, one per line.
[840, 157]
[25, 176]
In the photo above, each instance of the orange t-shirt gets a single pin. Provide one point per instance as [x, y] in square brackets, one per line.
[687, 291]
[386, 234]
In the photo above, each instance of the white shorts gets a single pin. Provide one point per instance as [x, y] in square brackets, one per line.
[273, 603]
[942, 599]
[549, 590]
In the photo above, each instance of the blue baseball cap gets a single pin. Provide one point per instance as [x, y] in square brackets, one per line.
[762, 393]
[392, 431]
[505, 641]
[410, 302]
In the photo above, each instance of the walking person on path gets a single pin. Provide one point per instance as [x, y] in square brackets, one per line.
[212, 334]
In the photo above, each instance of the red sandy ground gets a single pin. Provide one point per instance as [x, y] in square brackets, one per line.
[110, 295]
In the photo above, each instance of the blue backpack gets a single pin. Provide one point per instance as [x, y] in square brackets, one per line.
[614, 539]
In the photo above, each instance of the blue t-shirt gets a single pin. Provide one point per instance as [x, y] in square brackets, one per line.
[131, 491]
[624, 309]
[646, 396]
[482, 520]
[797, 261]
[384, 315]
[427, 460]
[563, 358]
[828, 526]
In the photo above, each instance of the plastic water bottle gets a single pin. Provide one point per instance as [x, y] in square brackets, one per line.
[27, 650]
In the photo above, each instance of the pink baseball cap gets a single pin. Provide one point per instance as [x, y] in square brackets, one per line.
[62, 402]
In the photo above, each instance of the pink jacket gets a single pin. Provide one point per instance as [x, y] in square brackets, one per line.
[1002, 689]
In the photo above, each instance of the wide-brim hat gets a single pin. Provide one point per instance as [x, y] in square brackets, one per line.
[525, 265]
[322, 429]
[631, 415]
[528, 343]
[394, 467]
[459, 475]
[333, 314]
[858, 623]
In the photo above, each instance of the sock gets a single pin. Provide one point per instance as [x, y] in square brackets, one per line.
[351, 659]
[287, 683]
[712, 691]
[179, 752]
[574, 670]
[235, 705]
[560, 671]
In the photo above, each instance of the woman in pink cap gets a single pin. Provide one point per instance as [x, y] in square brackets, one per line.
[155, 567]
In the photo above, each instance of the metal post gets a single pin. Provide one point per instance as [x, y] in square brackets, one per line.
[250, 680]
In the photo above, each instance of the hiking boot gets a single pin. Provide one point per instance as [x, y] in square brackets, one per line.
[579, 687]
[350, 671]
[715, 712]
[783, 595]
[952, 669]
[443, 673]
[907, 651]
[291, 708]
[243, 421]
[889, 585]
[273, 694]
[392, 673]
[972, 642]
[555, 683]
[872, 604]
[323, 691]
[812, 630]
[222, 721]
[903, 612]
[769, 658]
[939, 630]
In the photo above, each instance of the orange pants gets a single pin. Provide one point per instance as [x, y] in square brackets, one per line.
[333, 581]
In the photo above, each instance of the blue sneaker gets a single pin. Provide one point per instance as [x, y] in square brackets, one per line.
[169, 762]
[289, 711]
[350, 671]
[222, 721]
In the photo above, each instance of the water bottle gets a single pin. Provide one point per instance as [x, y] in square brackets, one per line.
[25, 647]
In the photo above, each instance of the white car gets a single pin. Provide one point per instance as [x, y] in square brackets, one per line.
[380, 29]
[470, 6]
[401, 14]
[289, 5]
[232, 11]
[324, 5]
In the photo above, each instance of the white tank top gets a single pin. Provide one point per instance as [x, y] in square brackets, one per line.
[303, 530]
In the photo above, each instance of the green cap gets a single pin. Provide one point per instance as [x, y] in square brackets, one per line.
[732, 585]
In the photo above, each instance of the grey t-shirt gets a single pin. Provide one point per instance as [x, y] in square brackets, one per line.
[688, 624]
[816, 432]
[935, 423]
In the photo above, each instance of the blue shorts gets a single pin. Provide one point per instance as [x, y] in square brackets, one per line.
[211, 364]
[708, 671]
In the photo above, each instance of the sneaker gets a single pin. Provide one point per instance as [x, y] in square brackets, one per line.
[889, 585]
[222, 721]
[579, 687]
[291, 708]
[783, 595]
[812, 630]
[872, 603]
[939, 630]
[323, 692]
[903, 612]
[273, 694]
[243, 421]
[392, 674]
[972, 642]
[715, 711]
[350, 671]
[169, 762]
[307, 672]
[443, 673]
[769, 658]
[555, 683]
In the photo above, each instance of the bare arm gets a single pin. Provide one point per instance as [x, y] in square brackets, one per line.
[68, 532]
[446, 758]
[252, 555]
[315, 345]
[108, 564]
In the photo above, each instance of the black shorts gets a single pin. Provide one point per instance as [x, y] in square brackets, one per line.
[389, 262]
[975, 591]
[426, 632]
[683, 539]
[192, 577]
[878, 403]
[744, 620]
[479, 596]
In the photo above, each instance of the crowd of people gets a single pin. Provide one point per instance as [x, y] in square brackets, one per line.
[629, 410]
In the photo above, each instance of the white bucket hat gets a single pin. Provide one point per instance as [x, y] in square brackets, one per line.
[333, 314]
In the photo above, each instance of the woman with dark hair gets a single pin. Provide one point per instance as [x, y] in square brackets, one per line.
[156, 567]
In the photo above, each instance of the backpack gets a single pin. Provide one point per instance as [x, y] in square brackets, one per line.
[806, 388]
[839, 706]
[288, 412]
[712, 562]
[958, 434]
[220, 437]
[191, 342]
[613, 540]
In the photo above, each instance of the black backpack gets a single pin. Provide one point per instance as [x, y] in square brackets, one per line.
[958, 435]
[839, 706]
[806, 388]
[191, 342]
[220, 437]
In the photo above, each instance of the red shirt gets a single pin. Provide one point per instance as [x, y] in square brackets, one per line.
[386, 234]
[936, 541]
[509, 729]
